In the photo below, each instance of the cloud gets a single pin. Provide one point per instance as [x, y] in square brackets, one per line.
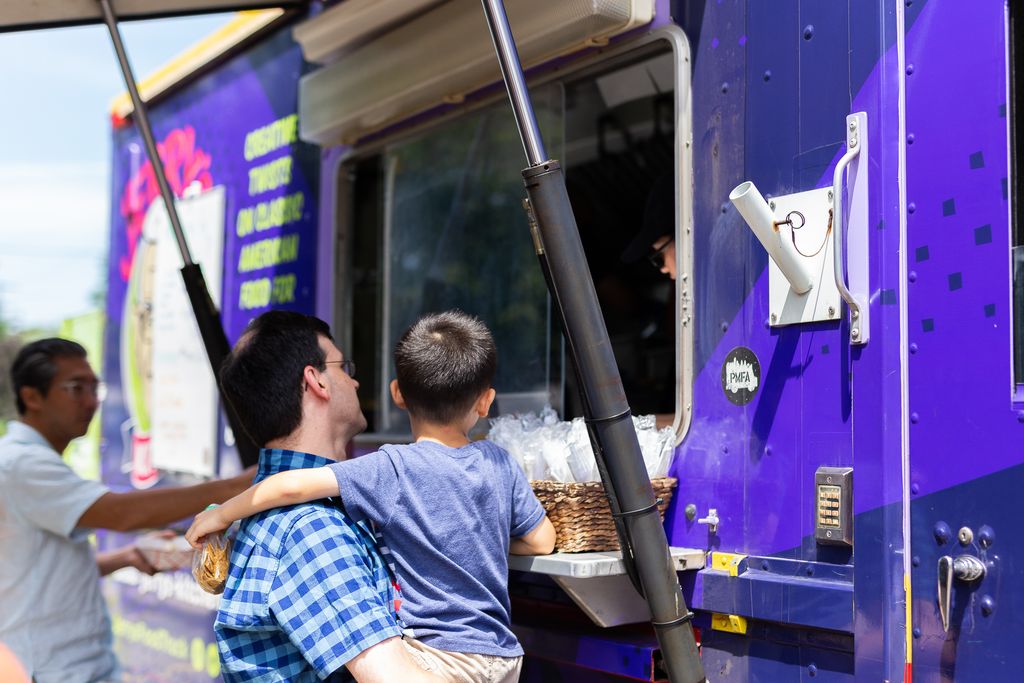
[65, 204]
[54, 169]
[53, 240]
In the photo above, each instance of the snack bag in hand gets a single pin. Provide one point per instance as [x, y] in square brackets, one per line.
[210, 563]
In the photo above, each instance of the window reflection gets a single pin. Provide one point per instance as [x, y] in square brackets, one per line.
[437, 222]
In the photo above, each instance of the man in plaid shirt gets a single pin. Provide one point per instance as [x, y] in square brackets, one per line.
[308, 595]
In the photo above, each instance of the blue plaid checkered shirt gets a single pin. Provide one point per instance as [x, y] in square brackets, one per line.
[307, 591]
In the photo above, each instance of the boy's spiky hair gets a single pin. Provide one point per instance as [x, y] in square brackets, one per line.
[443, 363]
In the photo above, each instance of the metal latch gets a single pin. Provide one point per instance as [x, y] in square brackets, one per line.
[711, 520]
[965, 568]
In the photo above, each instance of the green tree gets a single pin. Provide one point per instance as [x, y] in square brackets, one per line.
[9, 345]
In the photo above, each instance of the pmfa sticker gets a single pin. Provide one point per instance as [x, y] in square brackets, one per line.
[741, 375]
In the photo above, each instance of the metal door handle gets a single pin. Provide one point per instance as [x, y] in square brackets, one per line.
[966, 568]
[856, 139]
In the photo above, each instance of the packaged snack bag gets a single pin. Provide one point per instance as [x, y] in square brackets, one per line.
[210, 563]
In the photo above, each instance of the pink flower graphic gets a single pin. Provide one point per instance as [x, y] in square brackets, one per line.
[183, 164]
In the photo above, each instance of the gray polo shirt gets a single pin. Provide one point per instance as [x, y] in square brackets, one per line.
[52, 615]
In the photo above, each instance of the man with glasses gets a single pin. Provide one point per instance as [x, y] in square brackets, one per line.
[52, 615]
[647, 349]
[655, 239]
[309, 595]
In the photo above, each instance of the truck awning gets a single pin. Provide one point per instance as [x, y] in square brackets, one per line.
[28, 15]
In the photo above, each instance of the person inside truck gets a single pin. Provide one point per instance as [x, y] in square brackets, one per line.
[308, 594]
[656, 241]
[52, 614]
[655, 238]
[450, 508]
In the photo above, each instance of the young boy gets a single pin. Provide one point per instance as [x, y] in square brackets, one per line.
[449, 509]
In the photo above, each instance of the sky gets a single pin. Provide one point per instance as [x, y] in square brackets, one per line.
[56, 87]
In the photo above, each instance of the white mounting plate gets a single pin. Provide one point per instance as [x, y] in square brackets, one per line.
[821, 301]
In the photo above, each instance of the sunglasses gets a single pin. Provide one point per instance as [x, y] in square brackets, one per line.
[347, 366]
[657, 257]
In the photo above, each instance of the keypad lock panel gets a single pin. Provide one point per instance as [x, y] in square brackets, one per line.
[833, 506]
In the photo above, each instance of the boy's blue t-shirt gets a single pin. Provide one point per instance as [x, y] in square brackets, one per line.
[447, 515]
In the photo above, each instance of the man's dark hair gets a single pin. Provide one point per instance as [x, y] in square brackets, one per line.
[262, 376]
[35, 365]
[443, 362]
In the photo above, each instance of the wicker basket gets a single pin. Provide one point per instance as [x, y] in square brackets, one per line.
[581, 514]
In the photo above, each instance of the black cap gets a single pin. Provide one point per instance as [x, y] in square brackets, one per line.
[659, 219]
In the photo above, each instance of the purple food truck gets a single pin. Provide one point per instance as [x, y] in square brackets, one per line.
[840, 353]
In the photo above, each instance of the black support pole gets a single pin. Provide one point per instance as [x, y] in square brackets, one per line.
[211, 330]
[613, 500]
[607, 412]
[609, 420]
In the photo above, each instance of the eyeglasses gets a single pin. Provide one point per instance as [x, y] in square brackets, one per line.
[657, 257]
[78, 389]
[347, 366]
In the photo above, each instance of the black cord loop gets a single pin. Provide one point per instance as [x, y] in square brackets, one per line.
[641, 511]
[614, 418]
[686, 618]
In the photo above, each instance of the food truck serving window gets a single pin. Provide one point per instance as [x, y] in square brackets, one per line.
[434, 220]
[450, 235]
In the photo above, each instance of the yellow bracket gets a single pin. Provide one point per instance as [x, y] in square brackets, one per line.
[731, 623]
[728, 562]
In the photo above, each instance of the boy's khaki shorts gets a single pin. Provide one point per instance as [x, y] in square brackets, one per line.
[464, 667]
